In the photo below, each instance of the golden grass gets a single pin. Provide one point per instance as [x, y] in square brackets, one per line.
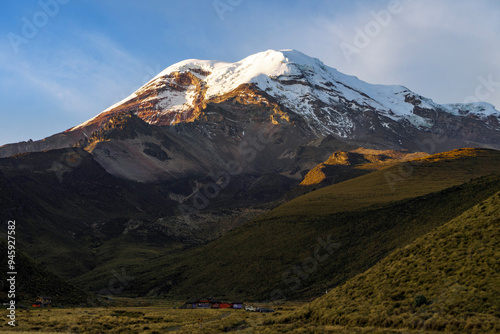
[150, 319]
[411, 179]
[167, 320]
[361, 159]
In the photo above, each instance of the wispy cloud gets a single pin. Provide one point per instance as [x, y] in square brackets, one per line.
[83, 80]
[70, 84]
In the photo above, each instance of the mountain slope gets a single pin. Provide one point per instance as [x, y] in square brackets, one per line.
[74, 216]
[359, 159]
[253, 258]
[34, 280]
[410, 179]
[66, 204]
[205, 146]
[345, 165]
[455, 268]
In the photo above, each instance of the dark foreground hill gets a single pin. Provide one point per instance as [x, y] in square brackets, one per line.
[447, 280]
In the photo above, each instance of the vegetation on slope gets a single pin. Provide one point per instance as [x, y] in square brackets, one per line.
[345, 165]
[406, 180]
[34, 280]
[65, 204]
[273, 257]
[341, 165]
[445, 280]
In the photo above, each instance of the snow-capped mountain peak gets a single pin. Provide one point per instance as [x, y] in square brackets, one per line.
[479, 109]
[300, 84]
[308, 101]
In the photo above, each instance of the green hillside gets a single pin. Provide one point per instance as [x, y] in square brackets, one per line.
[446, 280]
[410, 179]
[271, 258]
[75, 224]
[345, 165]
[34, 280]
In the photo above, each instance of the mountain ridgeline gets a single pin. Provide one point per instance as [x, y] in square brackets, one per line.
[203, 114]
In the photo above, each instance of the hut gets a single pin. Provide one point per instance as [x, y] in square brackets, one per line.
[225, 305]
[42, 302]
[211, 303]
[237, 305]
[214, 303]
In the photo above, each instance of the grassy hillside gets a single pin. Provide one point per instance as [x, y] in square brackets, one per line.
[70, 221]
[406, 180]
[34, 280]
[358, 162]
[272, 258]
[446, 280]
[345, 165]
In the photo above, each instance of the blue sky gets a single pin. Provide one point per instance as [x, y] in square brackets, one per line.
[64, 61]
